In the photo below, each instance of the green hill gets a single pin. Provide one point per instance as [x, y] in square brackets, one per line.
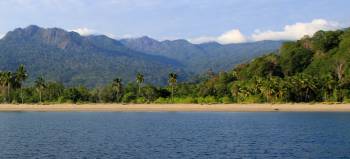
[72, 59]
[312, 69]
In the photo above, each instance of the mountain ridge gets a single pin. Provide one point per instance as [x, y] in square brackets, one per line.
[72, 59]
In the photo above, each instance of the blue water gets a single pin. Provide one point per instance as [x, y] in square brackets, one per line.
[174, 135]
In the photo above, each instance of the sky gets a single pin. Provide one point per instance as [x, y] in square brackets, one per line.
[224, 21]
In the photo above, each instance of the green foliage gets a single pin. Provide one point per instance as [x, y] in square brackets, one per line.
[226, 100]
[266, 65]
[294, 58]
[313, 69]
[326, 40]
[94, 61]
[129, 98]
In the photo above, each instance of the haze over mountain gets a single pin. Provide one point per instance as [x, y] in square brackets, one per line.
[201, 57]
[93, 60]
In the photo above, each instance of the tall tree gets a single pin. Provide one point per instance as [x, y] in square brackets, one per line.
[172, 79]
[117, 87]
[40, 85]
[5, 78]
[21, 76]
[6, 81]
[139, 79]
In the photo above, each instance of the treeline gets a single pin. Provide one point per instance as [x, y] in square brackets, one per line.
[312, 69]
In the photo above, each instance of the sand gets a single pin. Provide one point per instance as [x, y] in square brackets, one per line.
[177, 108]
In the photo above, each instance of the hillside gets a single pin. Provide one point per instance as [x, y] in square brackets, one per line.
[72, 59]
[201, 57]
[312, 69]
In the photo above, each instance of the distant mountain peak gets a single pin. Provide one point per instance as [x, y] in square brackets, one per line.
[146, 39]
[50, 36]
[32, 28]
[179, 41]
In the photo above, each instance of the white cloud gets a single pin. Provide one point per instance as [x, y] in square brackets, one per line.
[295, 31]
[232, 36]
[289, 32]
[1, 35]
[202, 39]
[84, 31]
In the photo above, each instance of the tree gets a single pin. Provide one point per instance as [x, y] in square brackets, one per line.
[150, 93]
[294, 59]
[6, 78]
[139, 80]
[40, 85]
[268, 88]
[326, 40]
[21, 76]
[340, 68]
[172, 79]
[117, 87]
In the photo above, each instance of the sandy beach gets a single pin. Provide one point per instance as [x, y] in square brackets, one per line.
[177, 108]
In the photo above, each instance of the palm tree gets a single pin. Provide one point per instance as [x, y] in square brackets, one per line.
[21, 76]
[6, 79]
[3, 83]
[269, 88]
[172, 79]
[117, 87]
[139, 80]
[40, 85]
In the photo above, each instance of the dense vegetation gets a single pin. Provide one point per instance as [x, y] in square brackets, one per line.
[93, 61]
[312, 69]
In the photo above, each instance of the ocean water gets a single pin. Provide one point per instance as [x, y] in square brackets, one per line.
[174, 135]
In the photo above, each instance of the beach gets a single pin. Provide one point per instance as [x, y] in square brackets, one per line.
[176, 108]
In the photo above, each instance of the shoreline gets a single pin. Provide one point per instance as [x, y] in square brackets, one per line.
[175, 108]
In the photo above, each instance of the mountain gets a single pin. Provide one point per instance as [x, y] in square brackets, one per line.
[95, 60]
[201, 57]
[72, 59]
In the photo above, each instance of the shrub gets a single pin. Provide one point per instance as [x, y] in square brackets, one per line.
[253, 99]
[210, 100]
[226, 100]
[129, 97]
[186, 100]
[61, 99]
[141, 100]
[162, 100]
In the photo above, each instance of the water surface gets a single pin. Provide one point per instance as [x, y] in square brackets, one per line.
[174, 135]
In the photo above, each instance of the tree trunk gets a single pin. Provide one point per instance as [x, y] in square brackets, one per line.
[172, 94]
[22, 95]
[8, 92]
[340, 69]
[40, 96]
[138, 94]
[3, 92]
[118, 97]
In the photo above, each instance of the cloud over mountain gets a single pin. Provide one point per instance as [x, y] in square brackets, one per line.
[84, 31]
[229, 37]
[296, 31]
[289, 32]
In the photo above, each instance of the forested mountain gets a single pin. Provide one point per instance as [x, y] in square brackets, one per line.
[312, 69]
[201, 57]
[72, 59]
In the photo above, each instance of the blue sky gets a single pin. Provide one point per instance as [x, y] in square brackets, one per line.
[225, 21]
